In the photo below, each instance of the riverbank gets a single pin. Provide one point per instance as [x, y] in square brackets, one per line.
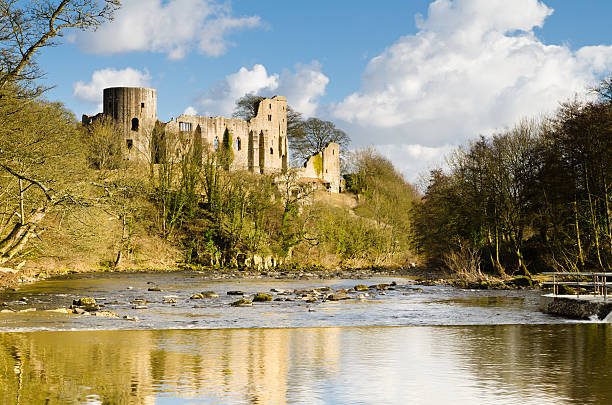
[13, 278]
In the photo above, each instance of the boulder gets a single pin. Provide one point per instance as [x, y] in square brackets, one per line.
[242, 303]
[209, 294]
[262, 297]
[82, 302]
[140, 301]
[360, 287]
[169, 301]
[106, 314]
[153, 289]
[338, 295]
[521, 281]
[196, 296]
[235, 292]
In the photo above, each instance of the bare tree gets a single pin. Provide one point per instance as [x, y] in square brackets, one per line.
[25, 27]
[312, 136]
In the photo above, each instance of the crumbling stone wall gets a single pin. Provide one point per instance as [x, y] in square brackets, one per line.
[324, 168]
[259, 145]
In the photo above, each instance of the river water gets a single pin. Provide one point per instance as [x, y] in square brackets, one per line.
[437, 345]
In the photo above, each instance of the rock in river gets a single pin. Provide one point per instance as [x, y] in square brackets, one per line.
[361, 287]
[196, 296]
[209, 294]
[242, 303]
[261, 297]
[235, 292]
[337, 296]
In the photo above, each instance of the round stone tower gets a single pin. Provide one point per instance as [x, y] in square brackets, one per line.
[134, 109]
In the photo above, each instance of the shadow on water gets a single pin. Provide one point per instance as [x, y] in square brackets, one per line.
[493, 364]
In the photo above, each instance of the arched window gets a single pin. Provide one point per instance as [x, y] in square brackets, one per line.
[134, 124]
[238, 144]
[271, 151]
[216, 143]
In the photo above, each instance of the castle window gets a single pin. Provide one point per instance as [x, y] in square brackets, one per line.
[184, 126]
[238, 144]
[271, 151]
[134, 124]
[216, 143]
[129, 143]
[270, 106]
[141, 105]
[269, 117]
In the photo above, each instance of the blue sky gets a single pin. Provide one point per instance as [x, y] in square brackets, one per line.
[414, 78]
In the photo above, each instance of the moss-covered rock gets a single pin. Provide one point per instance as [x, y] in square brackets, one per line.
[86, 301]
[361, 287]
[242, 303]
[521, 281]
[262, 297]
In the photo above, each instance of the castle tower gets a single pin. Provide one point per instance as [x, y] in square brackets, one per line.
[134, 109]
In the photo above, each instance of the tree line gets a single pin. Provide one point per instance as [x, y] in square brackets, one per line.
[531, 198]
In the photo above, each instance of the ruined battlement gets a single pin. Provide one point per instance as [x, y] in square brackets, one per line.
[259, 145]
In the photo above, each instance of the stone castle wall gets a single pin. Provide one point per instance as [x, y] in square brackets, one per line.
[259, 145]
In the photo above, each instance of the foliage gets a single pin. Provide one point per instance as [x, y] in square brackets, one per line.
[534, 197]
[104, 141]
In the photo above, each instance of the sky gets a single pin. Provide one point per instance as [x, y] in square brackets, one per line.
[414, 78]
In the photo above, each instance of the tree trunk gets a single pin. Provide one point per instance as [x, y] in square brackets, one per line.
[16, 240]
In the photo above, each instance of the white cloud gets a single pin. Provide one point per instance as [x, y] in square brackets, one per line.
[302, 88]
[474, 66]
[91, 92]
[190, 111]
[174, 27]
[221, 98]
[411, 159]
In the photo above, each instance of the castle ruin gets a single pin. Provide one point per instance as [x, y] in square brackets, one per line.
[259, 145]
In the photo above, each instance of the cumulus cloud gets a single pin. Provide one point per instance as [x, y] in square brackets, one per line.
[91, 92]
[302, 87]
[412, 159]
[190, 111]
[473, 67]
[174, 27]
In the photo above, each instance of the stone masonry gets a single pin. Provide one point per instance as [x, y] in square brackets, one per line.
[259, 144]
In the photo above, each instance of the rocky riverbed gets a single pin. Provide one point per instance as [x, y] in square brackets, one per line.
[181, 300]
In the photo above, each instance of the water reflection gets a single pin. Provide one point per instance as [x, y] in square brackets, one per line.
[527, 364]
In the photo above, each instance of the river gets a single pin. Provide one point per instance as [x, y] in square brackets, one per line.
[408, 344]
